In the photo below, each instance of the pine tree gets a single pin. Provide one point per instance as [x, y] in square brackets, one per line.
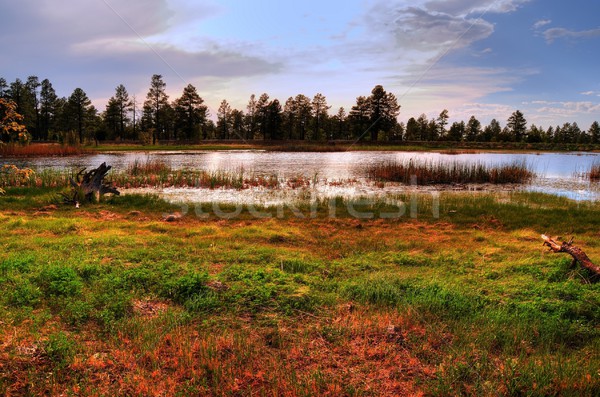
[517, 126]
[155, 106]
[594, 132]
[48, 109]
[80, 110]
[190, 112]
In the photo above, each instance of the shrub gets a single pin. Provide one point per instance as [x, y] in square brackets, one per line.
[186, 287]
[60, 281]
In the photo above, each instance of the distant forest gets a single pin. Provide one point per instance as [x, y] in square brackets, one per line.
[186, 119]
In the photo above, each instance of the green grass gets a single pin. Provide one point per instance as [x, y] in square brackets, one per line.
[291, 306]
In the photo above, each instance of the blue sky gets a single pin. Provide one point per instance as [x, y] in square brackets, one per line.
[473, 57]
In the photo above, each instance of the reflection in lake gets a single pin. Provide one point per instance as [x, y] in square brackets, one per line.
[557, 172]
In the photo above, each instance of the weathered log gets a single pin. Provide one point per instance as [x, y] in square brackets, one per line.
[90, 185]
[577, 254]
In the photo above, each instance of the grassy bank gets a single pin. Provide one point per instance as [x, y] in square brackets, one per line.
[41, 150]
[342, 146]
[109, 299]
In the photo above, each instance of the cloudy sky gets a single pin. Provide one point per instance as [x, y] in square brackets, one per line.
[473, 57]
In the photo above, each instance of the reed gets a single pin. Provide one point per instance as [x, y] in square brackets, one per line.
[149, 166]
[594, 173]
[431, 173]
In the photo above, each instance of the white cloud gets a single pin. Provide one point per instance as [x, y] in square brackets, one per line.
[426, 31]
[541, 23]
[570, 109]
[465, 7]
[558, 33]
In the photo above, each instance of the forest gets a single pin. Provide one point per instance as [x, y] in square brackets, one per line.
[187, 119]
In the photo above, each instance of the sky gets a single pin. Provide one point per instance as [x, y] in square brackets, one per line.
[485, 58]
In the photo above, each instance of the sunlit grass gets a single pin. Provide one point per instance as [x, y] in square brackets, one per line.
[111, 299]
[429, 173]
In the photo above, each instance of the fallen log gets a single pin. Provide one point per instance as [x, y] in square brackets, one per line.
[577, 254]
[90, 185]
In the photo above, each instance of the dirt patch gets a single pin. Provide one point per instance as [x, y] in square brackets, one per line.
[149, 308]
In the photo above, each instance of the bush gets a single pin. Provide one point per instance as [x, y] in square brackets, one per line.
[60, 281]
[186, 287]
[24, 293]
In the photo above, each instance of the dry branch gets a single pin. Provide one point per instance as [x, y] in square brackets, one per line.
[577, 254]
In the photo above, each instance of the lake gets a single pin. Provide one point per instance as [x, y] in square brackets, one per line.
[336, 173]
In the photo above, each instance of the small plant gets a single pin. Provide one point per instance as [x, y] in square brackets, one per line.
[60, 281]
[186, 287]
[24, 293]
[60, 349]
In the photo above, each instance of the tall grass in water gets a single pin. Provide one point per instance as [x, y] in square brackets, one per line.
[40, 150]
[149, 166]
[431, 173]
[156, 172]
[595, 172]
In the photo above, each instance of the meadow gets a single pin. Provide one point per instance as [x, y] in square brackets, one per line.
[455, 299]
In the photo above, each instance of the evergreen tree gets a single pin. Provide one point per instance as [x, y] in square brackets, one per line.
[594, 132]
[412, 130]
[251, 117]
[517, 126]
[190, 112]
[223, 120]
[492, 131]
[80, 112]
[3, 88]
[457, 131]
[155, 107]
[274, 119]
[32, 85]
[359, 117]
[442, 122]
[48, 109]
[423, 123]
[473, 130]
[340, 122]
[262, 113]
[383, 111]
[237, 124]
[319, 113]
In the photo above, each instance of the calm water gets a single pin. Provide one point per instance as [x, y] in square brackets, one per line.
[557, 172]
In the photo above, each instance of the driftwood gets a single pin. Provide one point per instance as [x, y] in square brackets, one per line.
[90, 185]
[577, 254]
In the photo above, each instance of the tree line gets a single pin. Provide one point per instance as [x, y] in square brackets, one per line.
[374, 117]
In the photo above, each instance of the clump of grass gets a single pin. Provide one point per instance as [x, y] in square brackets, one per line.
[149, 166]
[430, 173]
[40, 150]
[594, 173]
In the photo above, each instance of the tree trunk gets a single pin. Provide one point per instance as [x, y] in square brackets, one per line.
[577, 254]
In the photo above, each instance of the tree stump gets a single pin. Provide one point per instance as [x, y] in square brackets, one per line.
[90, 185]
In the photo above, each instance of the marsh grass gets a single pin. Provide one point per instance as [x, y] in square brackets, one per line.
[594, 173]
[41, 150]
[431, 173]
